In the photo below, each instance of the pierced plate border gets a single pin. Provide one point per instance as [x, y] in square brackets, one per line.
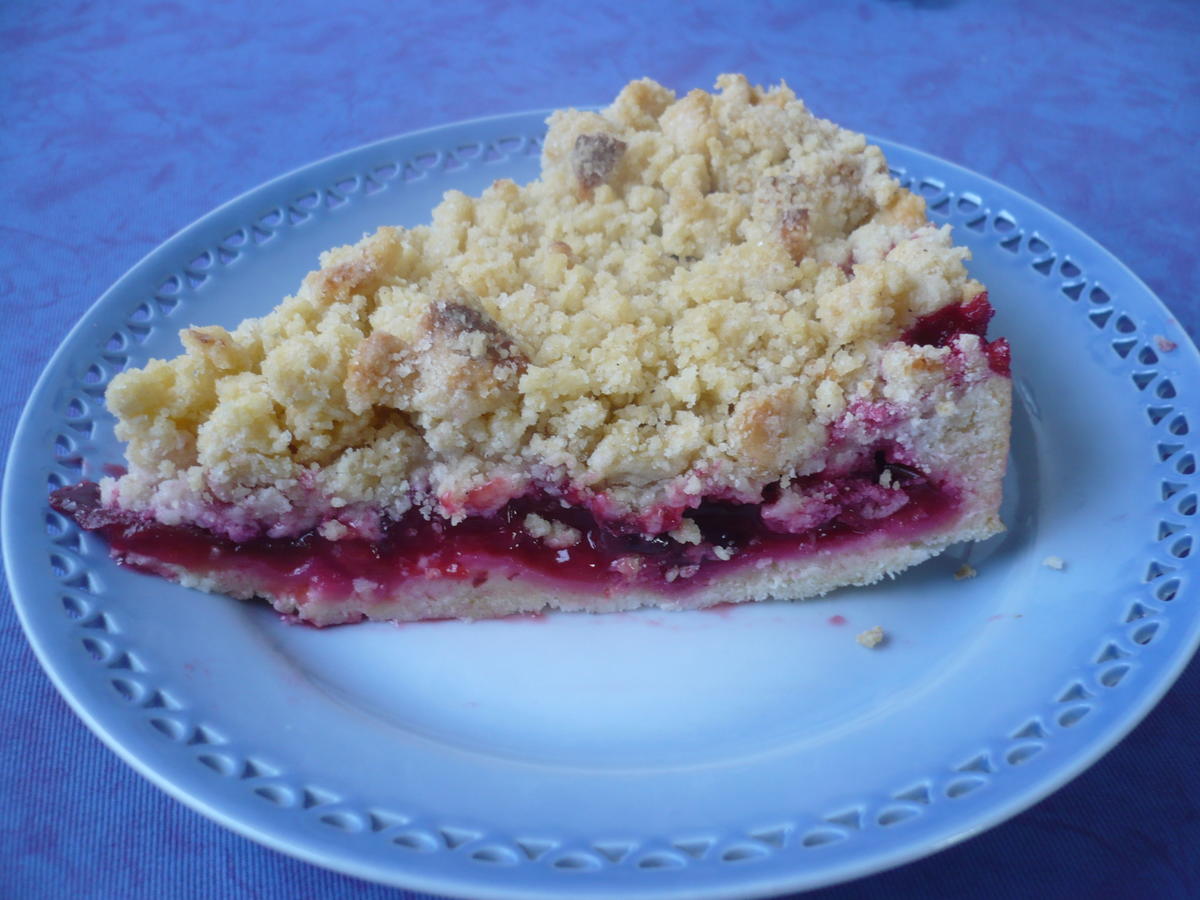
[1121, 316]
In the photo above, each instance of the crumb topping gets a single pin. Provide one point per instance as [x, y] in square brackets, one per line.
[692, 298]
[1054, 562]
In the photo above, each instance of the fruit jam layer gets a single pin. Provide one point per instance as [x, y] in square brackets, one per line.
[814, 514]
[940, 328]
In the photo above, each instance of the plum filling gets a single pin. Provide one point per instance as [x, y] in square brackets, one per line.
[877, 499]
[938, 329]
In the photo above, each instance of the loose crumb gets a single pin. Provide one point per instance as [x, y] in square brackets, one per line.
[1054, 562]
[1166, 345]
[872, 637]
[964, 571]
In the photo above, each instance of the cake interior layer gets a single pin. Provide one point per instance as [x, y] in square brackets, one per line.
[940, 328]
[820, 513]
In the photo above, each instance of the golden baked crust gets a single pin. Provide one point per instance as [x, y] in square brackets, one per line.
[683, 305]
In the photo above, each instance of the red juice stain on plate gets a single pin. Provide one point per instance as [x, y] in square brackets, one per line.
[407, 624]
[724, 610]
[531, 618]
[837, 620]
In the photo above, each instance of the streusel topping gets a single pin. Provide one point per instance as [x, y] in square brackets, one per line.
[688, 300]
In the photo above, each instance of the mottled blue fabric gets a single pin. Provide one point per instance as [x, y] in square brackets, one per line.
[120, 123]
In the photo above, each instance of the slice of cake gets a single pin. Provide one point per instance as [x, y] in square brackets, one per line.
[714, 354]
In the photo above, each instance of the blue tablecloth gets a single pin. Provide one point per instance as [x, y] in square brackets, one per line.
[121, 123]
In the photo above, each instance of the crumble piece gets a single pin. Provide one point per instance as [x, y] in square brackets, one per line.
[687, 533]
[1054, 562]
[554, 534]
[872, 637]
[594, 158]
[965, 571]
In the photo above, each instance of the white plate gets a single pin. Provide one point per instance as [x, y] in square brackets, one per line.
[737, 752]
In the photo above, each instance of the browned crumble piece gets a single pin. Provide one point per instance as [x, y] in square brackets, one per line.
[594, 158]
[565, 249]
[964, 571]
[793, 228]
[1165, 344]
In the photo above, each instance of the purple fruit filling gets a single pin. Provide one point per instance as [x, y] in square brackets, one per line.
[877, 499]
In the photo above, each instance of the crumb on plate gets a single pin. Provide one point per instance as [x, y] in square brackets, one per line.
[1165, 344]
[964, 571]
[872, 637]
[1054, 562]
